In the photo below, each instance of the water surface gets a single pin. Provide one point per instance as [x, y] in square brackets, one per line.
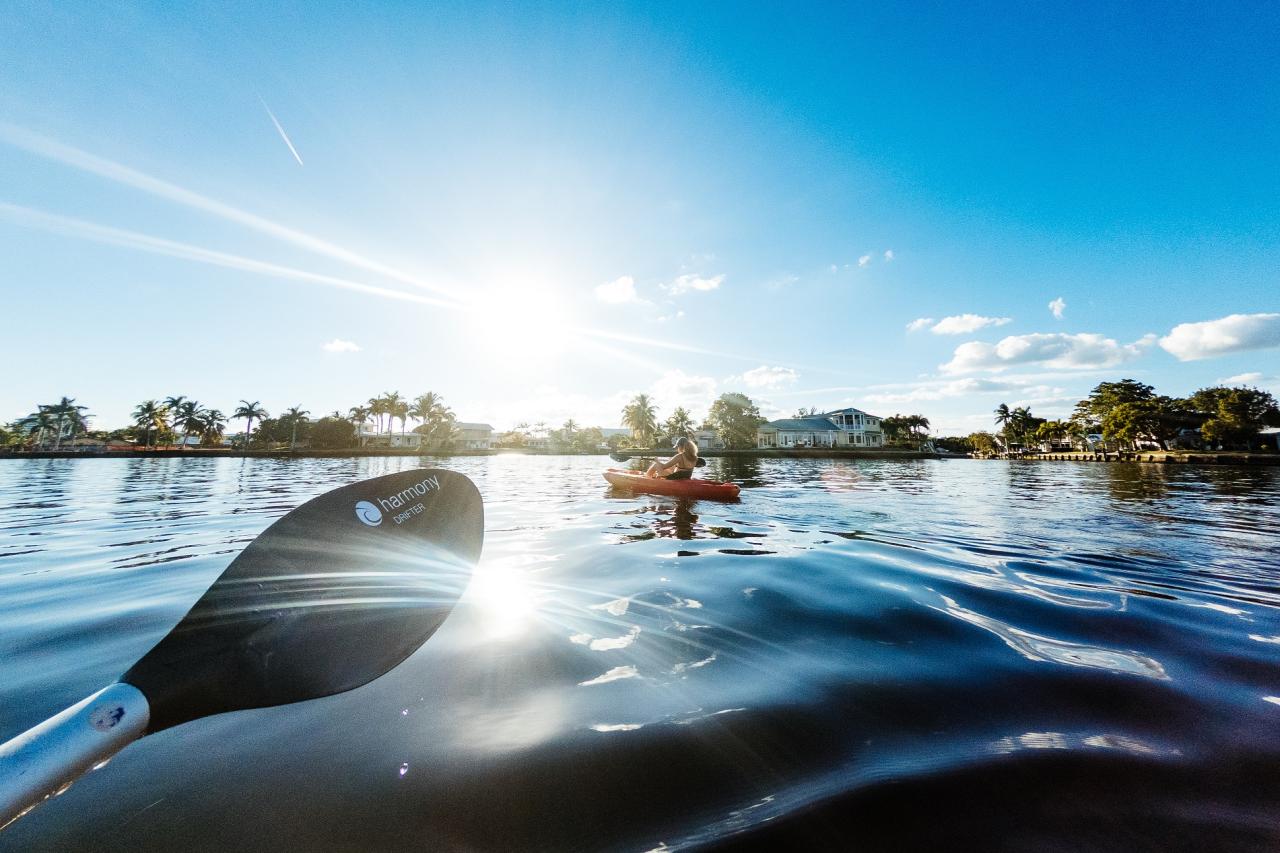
[856, 655]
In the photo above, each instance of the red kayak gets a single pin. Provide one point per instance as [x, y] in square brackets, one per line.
[690, 488]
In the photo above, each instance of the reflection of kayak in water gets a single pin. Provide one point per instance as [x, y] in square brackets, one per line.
[677, 488]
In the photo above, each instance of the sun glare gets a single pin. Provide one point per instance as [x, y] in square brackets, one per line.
[502, 596]
[522, 326]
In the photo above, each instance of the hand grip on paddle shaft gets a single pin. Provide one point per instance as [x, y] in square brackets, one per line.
[42, 761]
[329, 597]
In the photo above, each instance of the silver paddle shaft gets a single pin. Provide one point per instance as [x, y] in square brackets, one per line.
[44, 760]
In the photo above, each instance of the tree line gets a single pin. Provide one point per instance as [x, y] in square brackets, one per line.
[1127, 413]
[733, 417]
[178, 419]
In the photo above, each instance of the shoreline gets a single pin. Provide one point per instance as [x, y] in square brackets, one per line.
[355, 452]
[1160, 457]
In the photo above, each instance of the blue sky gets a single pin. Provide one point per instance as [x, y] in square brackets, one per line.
[538, 212]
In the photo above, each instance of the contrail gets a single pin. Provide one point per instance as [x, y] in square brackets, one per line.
[32, 218]
[68, 155]
[283, 135]
[58, 152]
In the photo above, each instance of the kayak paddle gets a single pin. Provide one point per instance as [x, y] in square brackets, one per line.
[329, 597]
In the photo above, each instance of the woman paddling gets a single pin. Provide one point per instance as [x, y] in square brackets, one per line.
[680, 466]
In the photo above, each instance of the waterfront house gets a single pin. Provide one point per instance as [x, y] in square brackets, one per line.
[848, 428]
[475, 436]
[370, 438]
[708, 439]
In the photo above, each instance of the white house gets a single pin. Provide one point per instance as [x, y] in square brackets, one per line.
[372, 438]
[840, 428]
[708, 439]
[475, 436]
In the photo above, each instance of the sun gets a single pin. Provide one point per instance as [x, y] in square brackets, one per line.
[522, 326]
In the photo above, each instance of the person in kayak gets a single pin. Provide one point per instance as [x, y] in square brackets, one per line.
[680, 466]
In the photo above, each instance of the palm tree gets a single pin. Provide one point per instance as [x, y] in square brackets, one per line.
[250, 412]
[1021, 417]
[1004, 420]
[390, 404]
[680, 424]
[151, 415]
[293, 415]
[426, 406]
[68, 417]
[38, 424]
[189, 415]
[213, 422]
[378, 408]
[359, 416]
[398, 409]
[641, 417]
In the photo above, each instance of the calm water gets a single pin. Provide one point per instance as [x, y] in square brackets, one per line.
[857, 655]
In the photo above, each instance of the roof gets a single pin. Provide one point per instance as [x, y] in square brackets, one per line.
[463, 425]
[848, 410]
[810, 424]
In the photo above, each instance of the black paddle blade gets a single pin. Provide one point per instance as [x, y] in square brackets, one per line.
[328, 598]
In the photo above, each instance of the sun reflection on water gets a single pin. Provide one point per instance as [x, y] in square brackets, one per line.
[504, 599]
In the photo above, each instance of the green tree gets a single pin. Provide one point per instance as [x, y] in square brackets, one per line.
[293, 418]
[188, 416]
[679, 424]
[588, 440]
[439, 427]
[567, 433]
[1234, 415]
[213, 426]
[982, 442]
[250, 412]
[151, 416]
[426, 406]
[333, 432]
[735, 419]
[69, 419]
[1005, 420]
[377, 408]
[641, 417]
[1106, 396]
[894, 428]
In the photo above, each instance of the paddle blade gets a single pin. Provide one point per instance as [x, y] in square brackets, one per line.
[331, 596]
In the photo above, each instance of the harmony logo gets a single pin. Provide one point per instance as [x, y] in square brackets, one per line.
[368, 513]
[401, 503]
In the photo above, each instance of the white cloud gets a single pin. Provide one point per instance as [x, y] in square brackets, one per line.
[864, 260]
[765, 377]
[1252, 378]
[1235, 333]
[1055, 350]
[692, 281]
[339, 345]
[677, 388]
[920, 323]
[618, 291]
[888, 255]
[963, 324]
[1057, 306]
